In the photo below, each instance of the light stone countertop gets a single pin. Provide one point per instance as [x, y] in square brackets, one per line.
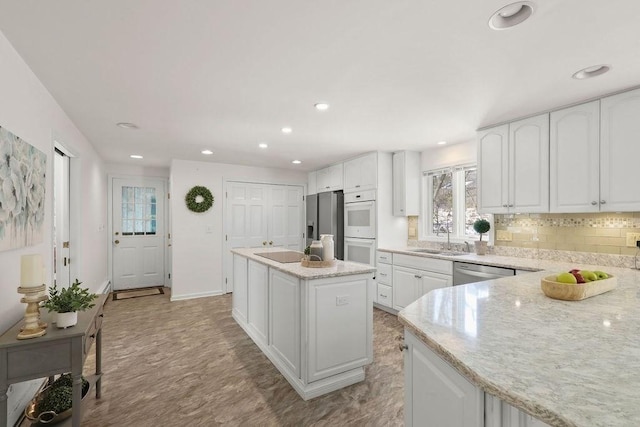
[568, 363]
[342, 268]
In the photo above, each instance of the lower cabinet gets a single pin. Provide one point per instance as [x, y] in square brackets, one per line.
[409, 284]
[257, 292]
[240, 300]
[436, 395]
[284, 324]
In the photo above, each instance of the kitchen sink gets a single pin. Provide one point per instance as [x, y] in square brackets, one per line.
[438, 252]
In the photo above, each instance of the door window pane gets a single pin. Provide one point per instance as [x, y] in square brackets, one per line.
[138, 211]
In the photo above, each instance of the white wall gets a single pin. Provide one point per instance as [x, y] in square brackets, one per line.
[136, 170]
[29, 111]
[197, 256]
[457, 154]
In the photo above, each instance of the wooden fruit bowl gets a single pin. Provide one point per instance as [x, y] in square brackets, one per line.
[577, 292]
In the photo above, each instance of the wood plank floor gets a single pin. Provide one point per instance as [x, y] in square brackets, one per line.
[188, 363]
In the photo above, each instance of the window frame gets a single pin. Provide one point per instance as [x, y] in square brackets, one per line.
[458, 210]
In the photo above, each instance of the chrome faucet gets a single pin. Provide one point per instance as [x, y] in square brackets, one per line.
[468, 247]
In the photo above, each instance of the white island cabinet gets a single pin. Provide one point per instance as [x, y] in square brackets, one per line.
[314, 324]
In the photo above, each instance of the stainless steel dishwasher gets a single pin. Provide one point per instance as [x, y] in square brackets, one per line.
[464, 272]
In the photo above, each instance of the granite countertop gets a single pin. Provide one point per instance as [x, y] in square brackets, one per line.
[526, 264]
[568, 363]
[342, 268]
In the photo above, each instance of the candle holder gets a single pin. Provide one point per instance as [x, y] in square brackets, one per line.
[33, 326]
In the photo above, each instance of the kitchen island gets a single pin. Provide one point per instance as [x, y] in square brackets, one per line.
[500, 353]
[314, 324]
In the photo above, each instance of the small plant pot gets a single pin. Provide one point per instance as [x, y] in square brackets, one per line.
[481, 247]
[66, 320]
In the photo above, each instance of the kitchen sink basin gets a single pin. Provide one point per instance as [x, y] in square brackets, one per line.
[438, 252]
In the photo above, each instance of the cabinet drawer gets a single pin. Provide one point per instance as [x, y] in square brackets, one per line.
[422, 263]
[384, 257]
[360, 196]
[385, 274]
[385, 295]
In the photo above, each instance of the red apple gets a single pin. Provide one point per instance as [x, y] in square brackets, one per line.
[578, 276]
[575, 270]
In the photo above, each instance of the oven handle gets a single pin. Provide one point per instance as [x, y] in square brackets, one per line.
[358, 204]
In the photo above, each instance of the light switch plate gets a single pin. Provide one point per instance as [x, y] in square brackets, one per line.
[631, 239]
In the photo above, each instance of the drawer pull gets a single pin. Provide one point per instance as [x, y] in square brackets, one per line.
[417, 277]
[403, 347]
[102, 315]
[382, 296]
[92, 336]
[383, 274]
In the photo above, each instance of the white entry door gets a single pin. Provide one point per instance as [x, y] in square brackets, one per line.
[62, 259]
[138, 233]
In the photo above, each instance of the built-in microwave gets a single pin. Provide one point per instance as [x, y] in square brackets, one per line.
[360, 215]
[360, 250]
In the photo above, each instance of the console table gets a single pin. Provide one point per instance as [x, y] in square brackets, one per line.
[59, 351]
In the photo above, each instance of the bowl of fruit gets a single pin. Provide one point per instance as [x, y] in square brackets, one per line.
[576, 285]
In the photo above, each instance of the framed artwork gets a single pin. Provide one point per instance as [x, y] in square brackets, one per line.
[22, 192]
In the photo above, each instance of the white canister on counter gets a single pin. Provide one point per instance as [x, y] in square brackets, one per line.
[316, 251]
[328, 253]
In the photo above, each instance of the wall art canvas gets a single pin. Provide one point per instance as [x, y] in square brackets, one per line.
[22, 187]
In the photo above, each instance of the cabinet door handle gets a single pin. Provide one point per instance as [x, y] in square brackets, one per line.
[383, 274]
[358, 186]
[382, 296]
[92, 336]
[505, 206]
[417, 277]
[602, 202]
[594, 203]
[403, 346]
[510, 206]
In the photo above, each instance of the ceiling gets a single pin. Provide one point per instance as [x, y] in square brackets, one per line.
[227, 75]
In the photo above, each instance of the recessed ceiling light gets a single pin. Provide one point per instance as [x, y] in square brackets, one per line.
[511, 15]
[322, 106]
[126, 125]
[594, 71]
[135, 156]
[263, 145]
[296, 162]
[207, 152]
[287, 130]
[442, 142]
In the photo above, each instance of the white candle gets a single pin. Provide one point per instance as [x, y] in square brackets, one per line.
[31, 271]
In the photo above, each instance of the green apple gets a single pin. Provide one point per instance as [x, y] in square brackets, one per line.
[589, 276]
[566, 278]
[601, 275]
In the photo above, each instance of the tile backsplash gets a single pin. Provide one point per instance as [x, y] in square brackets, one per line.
[604, 233]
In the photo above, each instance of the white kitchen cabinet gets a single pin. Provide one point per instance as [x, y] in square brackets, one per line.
[312, 184]
[574, 159]
[619, 152]
[257, 298]
[409, 284]
[284, 321]
[436, 394]
[500, 414]
[240, 290]
[513, 167]
[406, 183]
[330, 178]
[361, 173]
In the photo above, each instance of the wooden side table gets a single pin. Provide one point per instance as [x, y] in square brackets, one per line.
[57, 352]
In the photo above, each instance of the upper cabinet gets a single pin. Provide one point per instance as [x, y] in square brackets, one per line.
[312, 186]
[575, 159]
[513, 165]
[329, 178]
[406, 183]
[361, 173]
[619, 152]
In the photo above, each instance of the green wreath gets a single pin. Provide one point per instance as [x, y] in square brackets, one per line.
[199, 199]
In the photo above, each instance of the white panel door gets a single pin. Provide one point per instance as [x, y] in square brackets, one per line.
[138, 233]
[61, 169]
[619, 152]
[285, 216]
[493, 170]
[574, 171]
[246, 215]
[529, 165]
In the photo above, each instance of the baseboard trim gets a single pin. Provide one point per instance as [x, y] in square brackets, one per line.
[105, 288]
[385, 308]
[196, 295]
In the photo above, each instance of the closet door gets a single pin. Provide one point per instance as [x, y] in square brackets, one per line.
[285, 217]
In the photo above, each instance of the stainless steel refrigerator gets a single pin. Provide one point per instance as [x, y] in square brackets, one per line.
[325, 215]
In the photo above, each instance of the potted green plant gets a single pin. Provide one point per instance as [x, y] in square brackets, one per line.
[481, 226]
[66, 302]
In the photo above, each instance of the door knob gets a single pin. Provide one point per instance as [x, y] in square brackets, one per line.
[116, 241]
[602, 202]
[117, 233]
[594, 203]
[264, 243]
[271, 242]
